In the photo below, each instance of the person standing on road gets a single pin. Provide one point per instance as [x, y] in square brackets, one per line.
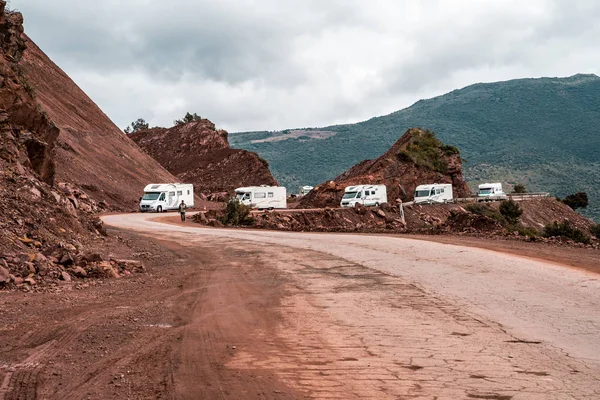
[182, 208]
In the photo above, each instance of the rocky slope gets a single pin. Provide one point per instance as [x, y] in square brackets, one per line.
[198, 153]
[91, 151]
[416, 158]
[47, 229]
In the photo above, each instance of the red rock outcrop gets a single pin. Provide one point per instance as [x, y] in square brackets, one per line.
[198, 153]
[416, 158]
[91, 151]
[45, 227]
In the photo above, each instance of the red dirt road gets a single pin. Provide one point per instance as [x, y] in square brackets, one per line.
[238, 314]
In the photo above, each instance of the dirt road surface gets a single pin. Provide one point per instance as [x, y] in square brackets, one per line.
[240, 314]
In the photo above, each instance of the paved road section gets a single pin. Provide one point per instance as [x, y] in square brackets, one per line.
[380, 317]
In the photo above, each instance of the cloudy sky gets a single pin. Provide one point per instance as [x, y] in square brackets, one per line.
[276, 64]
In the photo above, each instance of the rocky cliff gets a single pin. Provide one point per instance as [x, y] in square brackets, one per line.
[46, 226]
[418, 157]
[198, 153]
[91, 151]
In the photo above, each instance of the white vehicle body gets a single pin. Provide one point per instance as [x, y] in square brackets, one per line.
[262, 197]
[304, 190]
[434, 193]
[159, 197]
[490, 192]
[367, 195]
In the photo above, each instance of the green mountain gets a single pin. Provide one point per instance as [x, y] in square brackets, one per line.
[544, 133]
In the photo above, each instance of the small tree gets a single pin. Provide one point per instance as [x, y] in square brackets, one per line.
[135, 126]
[511, 211]
[565, 229]
[187, 119]
[236, 213]
[519, 188]
[577, 200]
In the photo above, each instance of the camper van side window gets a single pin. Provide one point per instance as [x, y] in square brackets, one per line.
[270, 194]
[188, 192]
[442, 190]
[261, 195]
[179, 193]
[171, 193]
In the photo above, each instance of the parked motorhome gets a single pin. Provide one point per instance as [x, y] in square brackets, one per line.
[433, 193]
[262, 197]
[490, 192]
[159, 197]
[304, 190]
[367, 195]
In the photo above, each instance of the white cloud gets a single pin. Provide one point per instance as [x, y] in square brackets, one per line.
[282, 64]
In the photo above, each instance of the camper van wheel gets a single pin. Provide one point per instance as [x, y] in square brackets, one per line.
[376, 204]
[270, 208]
[159, 209]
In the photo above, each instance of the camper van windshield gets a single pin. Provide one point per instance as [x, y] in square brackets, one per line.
[242, 195]
[349, 195]
[485, 191]
[151, 195]
[422, 193]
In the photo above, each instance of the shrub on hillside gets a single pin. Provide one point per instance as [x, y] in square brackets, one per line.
[487, 211]
[566, 230]
[577, 200]
[595, 230]
[519, 188]
[236, 213]
[187, 119]
[426, 150]
[527, 231]
[138, 125]
[511, 211]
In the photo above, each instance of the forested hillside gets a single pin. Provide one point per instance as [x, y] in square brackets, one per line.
[544, 133]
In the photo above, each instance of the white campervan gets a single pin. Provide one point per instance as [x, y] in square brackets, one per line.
[367, 195]
[304, 190]
[433, 193]
[490, 192]
[159, 197]
[262, 197]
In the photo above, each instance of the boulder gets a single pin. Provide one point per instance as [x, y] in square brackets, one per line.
[92, 257]
[4, 275]
[130, 265]
[66, 259]
[79, 272]
[65, 276]
[107, 270]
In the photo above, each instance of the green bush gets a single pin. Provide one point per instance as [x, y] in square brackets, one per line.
[577, 200]
[519, 188]
[236, 213]
[527, 231]
[428, 151]
[139, 125]
[565, 229]
[450, 150]
[595, 230]
[487, 211]
[511, 211]
[187, 119]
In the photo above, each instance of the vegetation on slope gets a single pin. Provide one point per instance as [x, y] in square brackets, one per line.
[541, 133]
